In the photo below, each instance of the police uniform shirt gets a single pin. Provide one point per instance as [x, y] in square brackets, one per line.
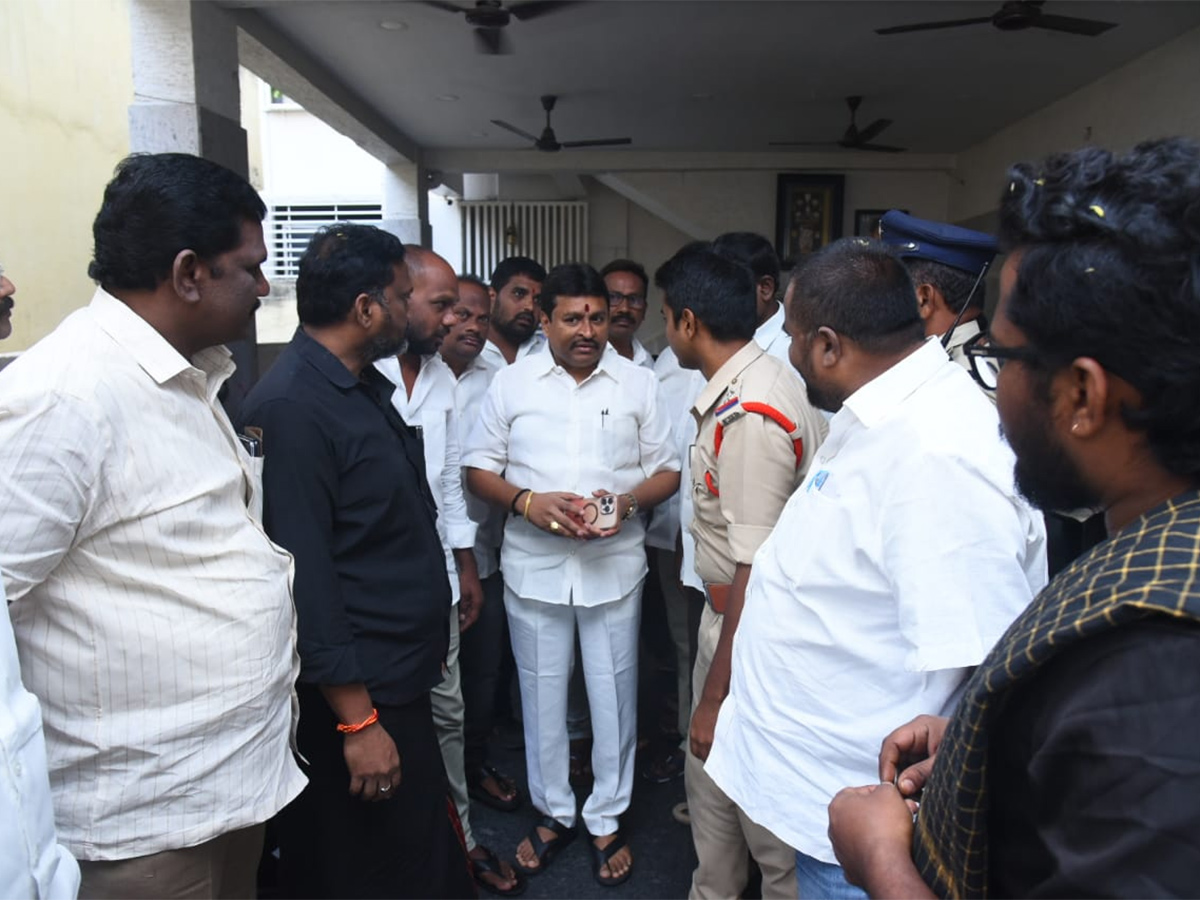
[739, 492]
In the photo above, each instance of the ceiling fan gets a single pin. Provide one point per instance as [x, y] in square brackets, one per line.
[853, 138]
[1015, 15]
[491, 17]
[548, 143]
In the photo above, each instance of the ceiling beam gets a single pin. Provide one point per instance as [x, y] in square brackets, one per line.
[591, 162]
[284, 64]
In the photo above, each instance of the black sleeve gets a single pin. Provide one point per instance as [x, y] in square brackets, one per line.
[300, 482]
[1095, 778]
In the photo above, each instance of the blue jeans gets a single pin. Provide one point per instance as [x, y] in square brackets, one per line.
[816, 880]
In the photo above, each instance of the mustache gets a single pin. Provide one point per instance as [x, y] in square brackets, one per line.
[7, 303]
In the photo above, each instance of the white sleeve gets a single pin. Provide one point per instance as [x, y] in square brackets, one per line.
[487, 448]
[954, 546]
[460, 530]
[51, 453]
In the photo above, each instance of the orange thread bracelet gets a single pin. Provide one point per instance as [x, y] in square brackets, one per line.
[365, 723]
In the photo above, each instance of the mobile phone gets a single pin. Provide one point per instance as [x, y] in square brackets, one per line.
[600, 512]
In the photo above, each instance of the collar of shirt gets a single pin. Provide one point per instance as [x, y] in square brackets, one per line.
[151, 351]
[724, 376]
[641, 356]
[771, 330]
[433, 369]
[963, 333]
[547, 364]
[316, 355]
[535, 343]
[883, 393]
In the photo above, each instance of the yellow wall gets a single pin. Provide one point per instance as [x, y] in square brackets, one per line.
[65, 89]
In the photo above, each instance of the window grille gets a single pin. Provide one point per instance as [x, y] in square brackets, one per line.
[290, 226]
[551, 232]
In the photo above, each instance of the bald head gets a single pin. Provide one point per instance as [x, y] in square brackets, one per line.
[431, 307]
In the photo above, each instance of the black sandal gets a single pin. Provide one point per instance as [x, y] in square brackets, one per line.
[491, 865]
[601, 857]
[478, 792]
[546, 851]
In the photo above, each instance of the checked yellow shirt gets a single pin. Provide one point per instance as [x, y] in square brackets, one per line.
[1152, 567]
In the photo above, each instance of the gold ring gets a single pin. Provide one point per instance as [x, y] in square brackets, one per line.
[554, 526]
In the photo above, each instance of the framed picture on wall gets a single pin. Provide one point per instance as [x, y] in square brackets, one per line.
[808, 214]
[866, 222]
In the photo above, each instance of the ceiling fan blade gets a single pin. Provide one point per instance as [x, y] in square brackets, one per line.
[603, 142]
[443, 5]
[1071, 25]
[872, 130]
[802, 144]
[492, 42]
[515, 130]
[929, 26]
[875, 148]
[523, 12]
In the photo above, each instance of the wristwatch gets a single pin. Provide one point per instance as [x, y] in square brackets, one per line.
[631, 510]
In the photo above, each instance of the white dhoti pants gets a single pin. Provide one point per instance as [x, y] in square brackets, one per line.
[543, 641]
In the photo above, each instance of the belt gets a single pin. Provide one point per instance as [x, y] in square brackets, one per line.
[717, 596]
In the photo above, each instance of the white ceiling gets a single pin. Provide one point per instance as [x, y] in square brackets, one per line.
[714, 75]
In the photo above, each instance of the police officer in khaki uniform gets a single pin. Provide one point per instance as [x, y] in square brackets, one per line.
[756, 435]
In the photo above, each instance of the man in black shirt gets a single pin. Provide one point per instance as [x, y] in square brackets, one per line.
[345, 492]
[1071, 766]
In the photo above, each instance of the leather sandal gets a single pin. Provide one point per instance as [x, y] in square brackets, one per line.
[601, 857]
[546, 851]
[490, 865]
[478, 792]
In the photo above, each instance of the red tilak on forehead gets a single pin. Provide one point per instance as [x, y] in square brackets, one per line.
[587, 308]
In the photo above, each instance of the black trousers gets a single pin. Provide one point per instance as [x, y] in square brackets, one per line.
[334, 845]
[480, 651]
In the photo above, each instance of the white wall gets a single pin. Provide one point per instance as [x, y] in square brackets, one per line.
[1156, 95]
[303, 158]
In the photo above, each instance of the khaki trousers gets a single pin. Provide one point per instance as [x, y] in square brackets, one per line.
[225, 867]
[722, 833]
[449, 713]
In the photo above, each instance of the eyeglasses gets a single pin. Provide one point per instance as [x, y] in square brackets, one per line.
[987, 359]
[634, 301]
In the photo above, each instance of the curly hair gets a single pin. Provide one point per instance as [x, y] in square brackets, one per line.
[1110, 269]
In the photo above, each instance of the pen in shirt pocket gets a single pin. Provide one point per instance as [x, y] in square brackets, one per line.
[604, 418]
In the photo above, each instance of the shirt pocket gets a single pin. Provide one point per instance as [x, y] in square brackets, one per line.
[254, 478]
[619, 442]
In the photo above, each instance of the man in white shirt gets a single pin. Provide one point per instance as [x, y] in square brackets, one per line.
[892, 570]
[627, 287]
[424, 397]
[153, 616]
[556, 428]
[756, 251]
[32, 862]
[512, 334]
[481, 649]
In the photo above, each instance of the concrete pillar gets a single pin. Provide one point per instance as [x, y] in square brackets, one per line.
[406, 203]
[187, 100]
